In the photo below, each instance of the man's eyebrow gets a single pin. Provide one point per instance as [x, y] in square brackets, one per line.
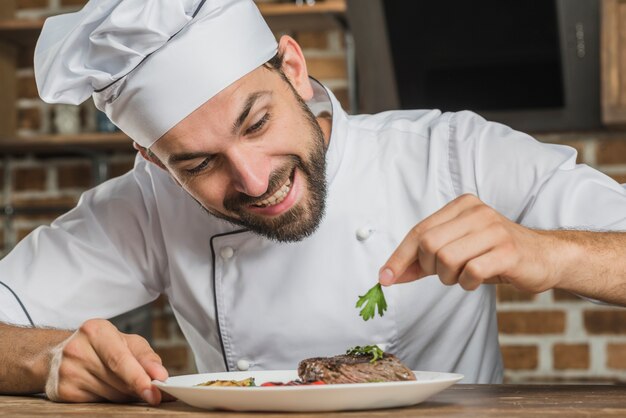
[252, 98]
[184, 156]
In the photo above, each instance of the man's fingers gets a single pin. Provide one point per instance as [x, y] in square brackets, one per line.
[94, 372]
[149, 360]
[107, 377]
[412, 272]
[73, 394]
[151, 363]
[98, 362]
[483, 269]
[113, 351]
[154, 394]
[452, 258]
[78, 375]
[156, 371]
[410, 249]
[104, 390]
[407, 254]
[404, 256]
[86, 387]
[433, 246]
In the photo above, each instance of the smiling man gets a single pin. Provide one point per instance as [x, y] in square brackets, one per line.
[262, 210]
[275, 188]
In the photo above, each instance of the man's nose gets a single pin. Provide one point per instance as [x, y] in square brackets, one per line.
[250, 171]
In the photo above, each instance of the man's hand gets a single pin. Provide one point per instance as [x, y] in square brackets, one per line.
[469, 243]
[98, 362]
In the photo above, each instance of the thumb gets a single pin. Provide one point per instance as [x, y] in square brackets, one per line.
[390, 274]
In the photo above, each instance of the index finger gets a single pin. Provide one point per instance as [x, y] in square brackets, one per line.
[150, 362]
[406, 254]
[146, 356]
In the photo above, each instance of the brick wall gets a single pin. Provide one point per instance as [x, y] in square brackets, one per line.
[39, 188]
[557, 337]
[551, 337]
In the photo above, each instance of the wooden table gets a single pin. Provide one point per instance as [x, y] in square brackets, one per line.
[460, 400]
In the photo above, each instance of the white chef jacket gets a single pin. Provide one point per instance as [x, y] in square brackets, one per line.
[238, 296]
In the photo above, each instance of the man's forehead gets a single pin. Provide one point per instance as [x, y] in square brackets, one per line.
[220, 112]
[236, 93]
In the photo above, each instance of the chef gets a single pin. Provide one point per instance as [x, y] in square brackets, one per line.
[262, 210]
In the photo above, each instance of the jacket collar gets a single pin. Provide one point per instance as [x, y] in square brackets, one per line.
[324, 101]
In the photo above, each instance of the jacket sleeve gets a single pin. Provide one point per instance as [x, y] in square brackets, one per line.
[101, 259]
[535, 184]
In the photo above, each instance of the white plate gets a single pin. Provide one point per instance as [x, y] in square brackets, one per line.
[352, 396]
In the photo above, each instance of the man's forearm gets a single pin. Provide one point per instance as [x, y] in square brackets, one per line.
[25, 357]
[591, 264]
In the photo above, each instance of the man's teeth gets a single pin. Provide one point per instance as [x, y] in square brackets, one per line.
[277, 197]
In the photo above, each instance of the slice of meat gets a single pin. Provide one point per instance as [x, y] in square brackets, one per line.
[354, 369]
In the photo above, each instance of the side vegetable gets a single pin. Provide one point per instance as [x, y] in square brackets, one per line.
[249, 382]
[367, 350]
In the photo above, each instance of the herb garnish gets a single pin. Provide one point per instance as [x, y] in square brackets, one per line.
[372, 299]
[368, 350]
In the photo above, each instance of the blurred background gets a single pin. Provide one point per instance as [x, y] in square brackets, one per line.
[553, 68]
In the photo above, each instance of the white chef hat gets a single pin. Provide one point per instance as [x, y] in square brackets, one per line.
[149, 63]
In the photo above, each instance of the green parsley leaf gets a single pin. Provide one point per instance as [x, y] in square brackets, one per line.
[372, 299]
[368, 350]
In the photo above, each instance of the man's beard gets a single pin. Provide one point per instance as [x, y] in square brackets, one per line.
[302, 219]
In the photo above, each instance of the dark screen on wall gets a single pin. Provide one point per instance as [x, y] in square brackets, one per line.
[481, 54]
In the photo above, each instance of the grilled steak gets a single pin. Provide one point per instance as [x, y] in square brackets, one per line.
[354, 369]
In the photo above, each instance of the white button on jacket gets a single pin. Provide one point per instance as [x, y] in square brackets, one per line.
[227, 252]
[363, 233]
[243, 365]
[278, 303]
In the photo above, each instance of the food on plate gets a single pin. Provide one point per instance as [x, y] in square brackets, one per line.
[367, 364]
[360, 364]
[234, 383]
[373, 351]
[296, 382]
[249, 382]
[374, 298]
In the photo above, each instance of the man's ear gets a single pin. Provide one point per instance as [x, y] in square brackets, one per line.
[294, 67]
[147, 155]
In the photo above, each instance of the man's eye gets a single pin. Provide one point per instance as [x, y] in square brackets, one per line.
[257, 126]
[202, 166]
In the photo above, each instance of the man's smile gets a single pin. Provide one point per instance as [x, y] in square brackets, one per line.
[277, 197]
[281, 200]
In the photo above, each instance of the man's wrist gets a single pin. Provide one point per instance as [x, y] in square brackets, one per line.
[566, 251]
[38, 356]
